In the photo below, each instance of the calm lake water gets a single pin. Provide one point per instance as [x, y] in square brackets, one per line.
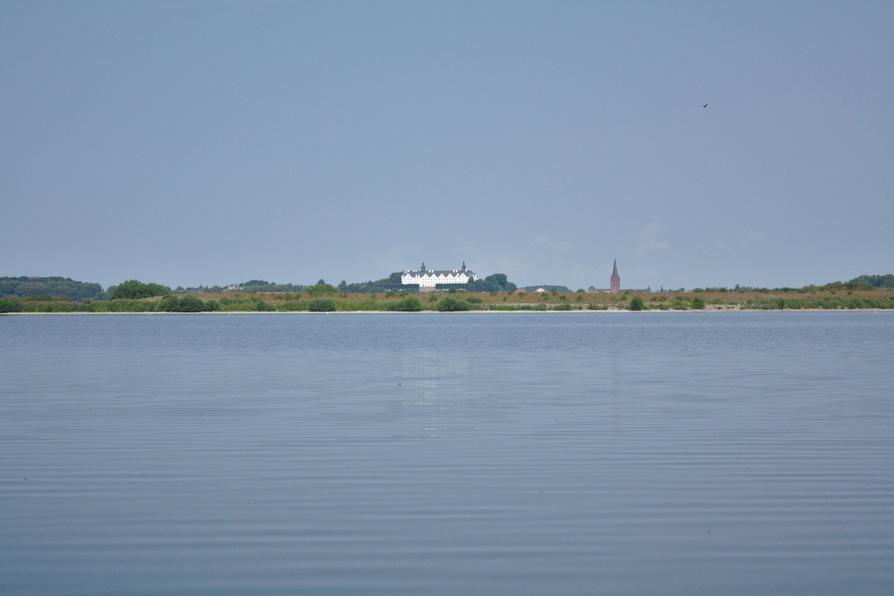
[471, 453]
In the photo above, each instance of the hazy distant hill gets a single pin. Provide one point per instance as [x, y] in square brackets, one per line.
[49, 286]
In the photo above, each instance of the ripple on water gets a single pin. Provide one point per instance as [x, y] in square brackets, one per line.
[489, 454]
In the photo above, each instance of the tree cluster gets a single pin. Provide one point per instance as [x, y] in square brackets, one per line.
[134, 289]
[188, 303]
[408, 304]
[453, 304]
[321, 305]
[497, 282]
[874, 281]
[10, 305]
[49, 286]
[391, 283]
[259, 285]
[321, 288]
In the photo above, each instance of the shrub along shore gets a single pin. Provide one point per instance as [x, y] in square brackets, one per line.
[331, 299]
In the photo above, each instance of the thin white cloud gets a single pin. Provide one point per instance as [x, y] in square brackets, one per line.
[650, 240]
[544, 242]
[741, 243]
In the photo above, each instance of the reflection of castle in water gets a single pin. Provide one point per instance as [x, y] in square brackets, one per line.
[435, 391]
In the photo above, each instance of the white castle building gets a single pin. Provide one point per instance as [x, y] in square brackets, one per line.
[426, 278]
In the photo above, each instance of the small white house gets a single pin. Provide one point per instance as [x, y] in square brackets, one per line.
[427, 278]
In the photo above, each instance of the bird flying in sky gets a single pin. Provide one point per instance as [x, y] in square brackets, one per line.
[705, 106]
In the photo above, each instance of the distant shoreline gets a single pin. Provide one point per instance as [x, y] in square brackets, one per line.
[140, 298]
[435, 312]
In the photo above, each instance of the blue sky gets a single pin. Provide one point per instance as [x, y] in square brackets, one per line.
[209, 143]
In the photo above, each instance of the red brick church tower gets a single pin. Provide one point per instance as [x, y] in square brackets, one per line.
[616, 279]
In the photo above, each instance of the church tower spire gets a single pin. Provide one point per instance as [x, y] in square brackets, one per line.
[615, 279]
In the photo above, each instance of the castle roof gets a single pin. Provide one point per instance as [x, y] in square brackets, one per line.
[444, 272]
[440, 272]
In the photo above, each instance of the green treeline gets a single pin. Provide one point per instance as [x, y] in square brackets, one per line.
[874, 281]
[387, 284]
[863, 282]
[821, 302]
[29, 294]
[449, 302]
[497, 282]
[188, 303]
[49, 286]
[259, 285]
[54, 287]
[829, 300]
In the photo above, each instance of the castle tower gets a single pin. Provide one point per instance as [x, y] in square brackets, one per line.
[615, 279]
